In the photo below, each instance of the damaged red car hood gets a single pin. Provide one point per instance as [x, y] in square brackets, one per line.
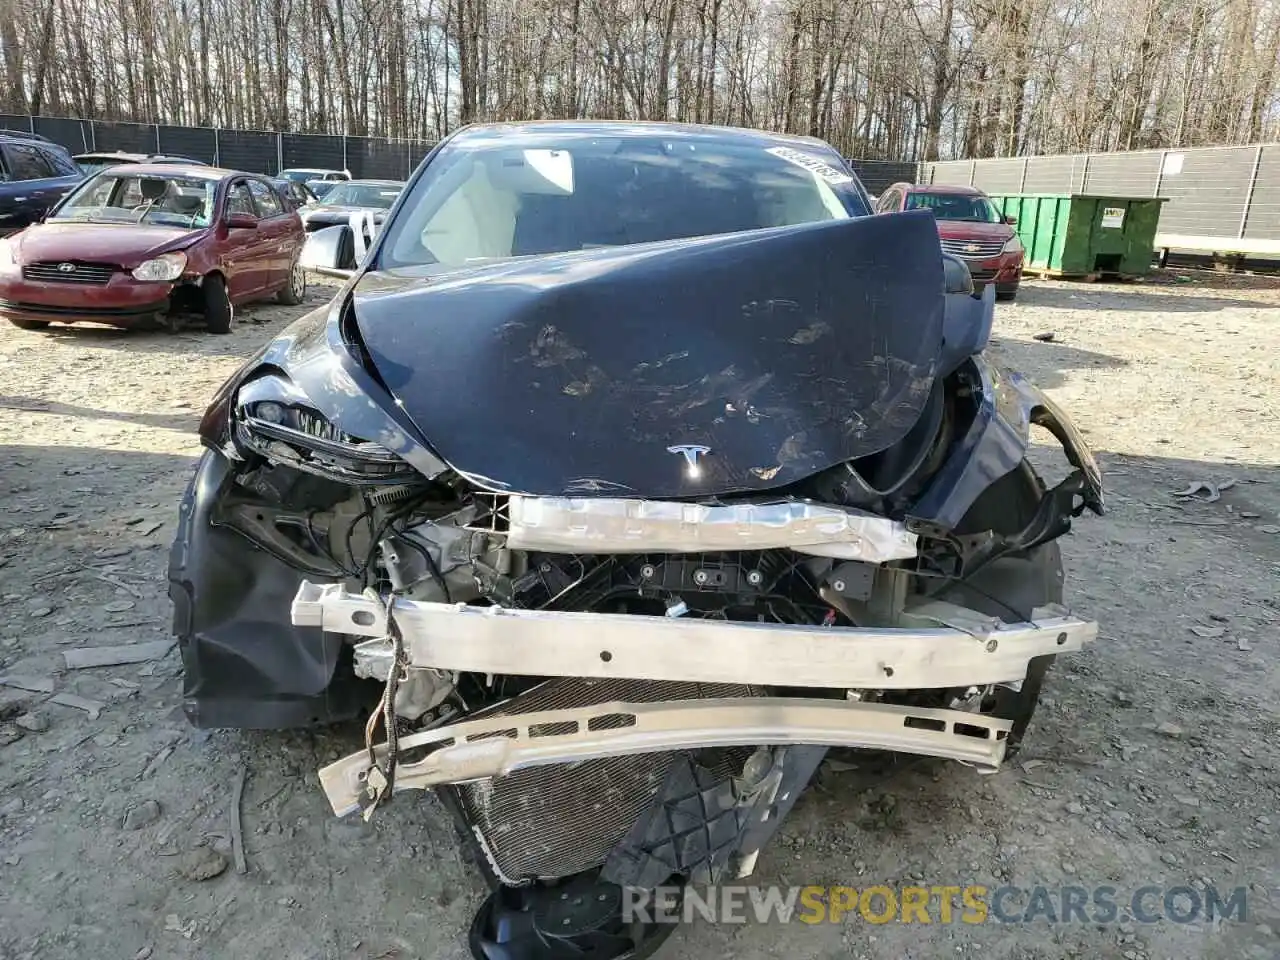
[684, 368]
[125, 244]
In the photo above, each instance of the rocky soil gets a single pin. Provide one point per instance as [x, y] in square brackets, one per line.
[1154, 759]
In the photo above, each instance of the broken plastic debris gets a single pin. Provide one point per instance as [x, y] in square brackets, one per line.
[82, 657]
[1209, 633]
[30, 684]
[93, 708]
[1212, 491]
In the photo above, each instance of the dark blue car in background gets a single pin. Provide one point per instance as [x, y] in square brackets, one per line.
[35, 173]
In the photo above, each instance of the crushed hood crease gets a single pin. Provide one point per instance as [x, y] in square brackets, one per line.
[783, 352]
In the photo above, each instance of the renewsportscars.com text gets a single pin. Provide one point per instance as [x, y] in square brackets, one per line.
[946, 903]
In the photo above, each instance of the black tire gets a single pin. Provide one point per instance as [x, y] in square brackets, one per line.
[218, 312]
[1007, 294]
[294, 290]
[22, 323]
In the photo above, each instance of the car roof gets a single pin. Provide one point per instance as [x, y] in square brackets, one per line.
[110, 154]
[311, 170]
[193, 170]
[957, 189]
[7, 134]
[137, 157]
[484, 131]
[377, 183]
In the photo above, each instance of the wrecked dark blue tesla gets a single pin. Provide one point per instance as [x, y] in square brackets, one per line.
[633, 467]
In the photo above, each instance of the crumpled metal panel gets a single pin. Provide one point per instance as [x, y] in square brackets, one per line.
[609, 525]
[782, 351]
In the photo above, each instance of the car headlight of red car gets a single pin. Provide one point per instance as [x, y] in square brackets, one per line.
[1013, 245]
[161, 269]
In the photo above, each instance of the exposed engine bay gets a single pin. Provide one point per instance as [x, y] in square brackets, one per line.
[465, 605]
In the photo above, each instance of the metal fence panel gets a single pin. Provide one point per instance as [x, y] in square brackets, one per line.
[13, 121]
[1207, 194]
[375, 159]
[1264, 207]
[312, 150]
[75, 135]
[951, 172]
[878, 175]
[418, 150]
[1123, 174]
[248, 150]
[999, 176]
[197, 143]
[130, 137]
[1051, 174]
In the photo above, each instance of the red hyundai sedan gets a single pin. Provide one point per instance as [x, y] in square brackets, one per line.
[969, 227]
[149, 243]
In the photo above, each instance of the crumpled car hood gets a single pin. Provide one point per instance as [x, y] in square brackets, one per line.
[122, 243]
[781, 352]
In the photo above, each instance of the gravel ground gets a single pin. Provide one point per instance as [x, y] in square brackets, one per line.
[1153, 759]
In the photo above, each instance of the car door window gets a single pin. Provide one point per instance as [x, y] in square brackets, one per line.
[265, 199]
[240, 201]
[62, 165]
[26, 163]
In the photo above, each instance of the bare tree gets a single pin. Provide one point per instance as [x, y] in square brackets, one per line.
[899, 79]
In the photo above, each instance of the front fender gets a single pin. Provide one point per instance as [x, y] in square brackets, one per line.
[996, 442]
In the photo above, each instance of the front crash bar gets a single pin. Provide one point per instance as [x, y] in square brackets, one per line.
[495, 746]
[946, 646]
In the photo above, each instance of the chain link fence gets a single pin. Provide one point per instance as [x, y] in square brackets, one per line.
[255, 151]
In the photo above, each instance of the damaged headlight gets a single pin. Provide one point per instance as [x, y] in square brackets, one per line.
[274, 419]
[164, 268]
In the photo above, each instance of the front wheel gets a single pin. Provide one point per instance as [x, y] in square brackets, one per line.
[22, 323]
[217, 304]
[1007, 294]
[295, 289]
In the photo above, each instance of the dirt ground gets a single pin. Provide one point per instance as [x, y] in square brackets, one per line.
[1154, 758]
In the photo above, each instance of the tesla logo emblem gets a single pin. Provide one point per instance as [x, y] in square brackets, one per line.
[691, 452]
[971, 248]
[66, 268]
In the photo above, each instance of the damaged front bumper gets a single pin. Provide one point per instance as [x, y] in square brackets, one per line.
[498, 746]
[952, 646]
[941, 645]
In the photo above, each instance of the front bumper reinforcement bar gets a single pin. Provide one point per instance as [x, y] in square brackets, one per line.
[495, 746]
[946, 646]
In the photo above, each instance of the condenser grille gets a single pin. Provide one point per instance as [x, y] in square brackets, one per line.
[557, 820]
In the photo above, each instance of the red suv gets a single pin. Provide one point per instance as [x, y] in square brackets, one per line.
[969, 227]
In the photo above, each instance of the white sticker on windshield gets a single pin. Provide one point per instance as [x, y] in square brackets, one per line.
[815, 166]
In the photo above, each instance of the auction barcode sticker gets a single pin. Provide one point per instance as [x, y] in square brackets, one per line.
[818, 168]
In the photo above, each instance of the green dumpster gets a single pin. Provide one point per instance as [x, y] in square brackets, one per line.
[1072, 235]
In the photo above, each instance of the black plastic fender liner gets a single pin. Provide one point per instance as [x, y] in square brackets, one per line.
[699, 824]
[244, 663]
[580, 917]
